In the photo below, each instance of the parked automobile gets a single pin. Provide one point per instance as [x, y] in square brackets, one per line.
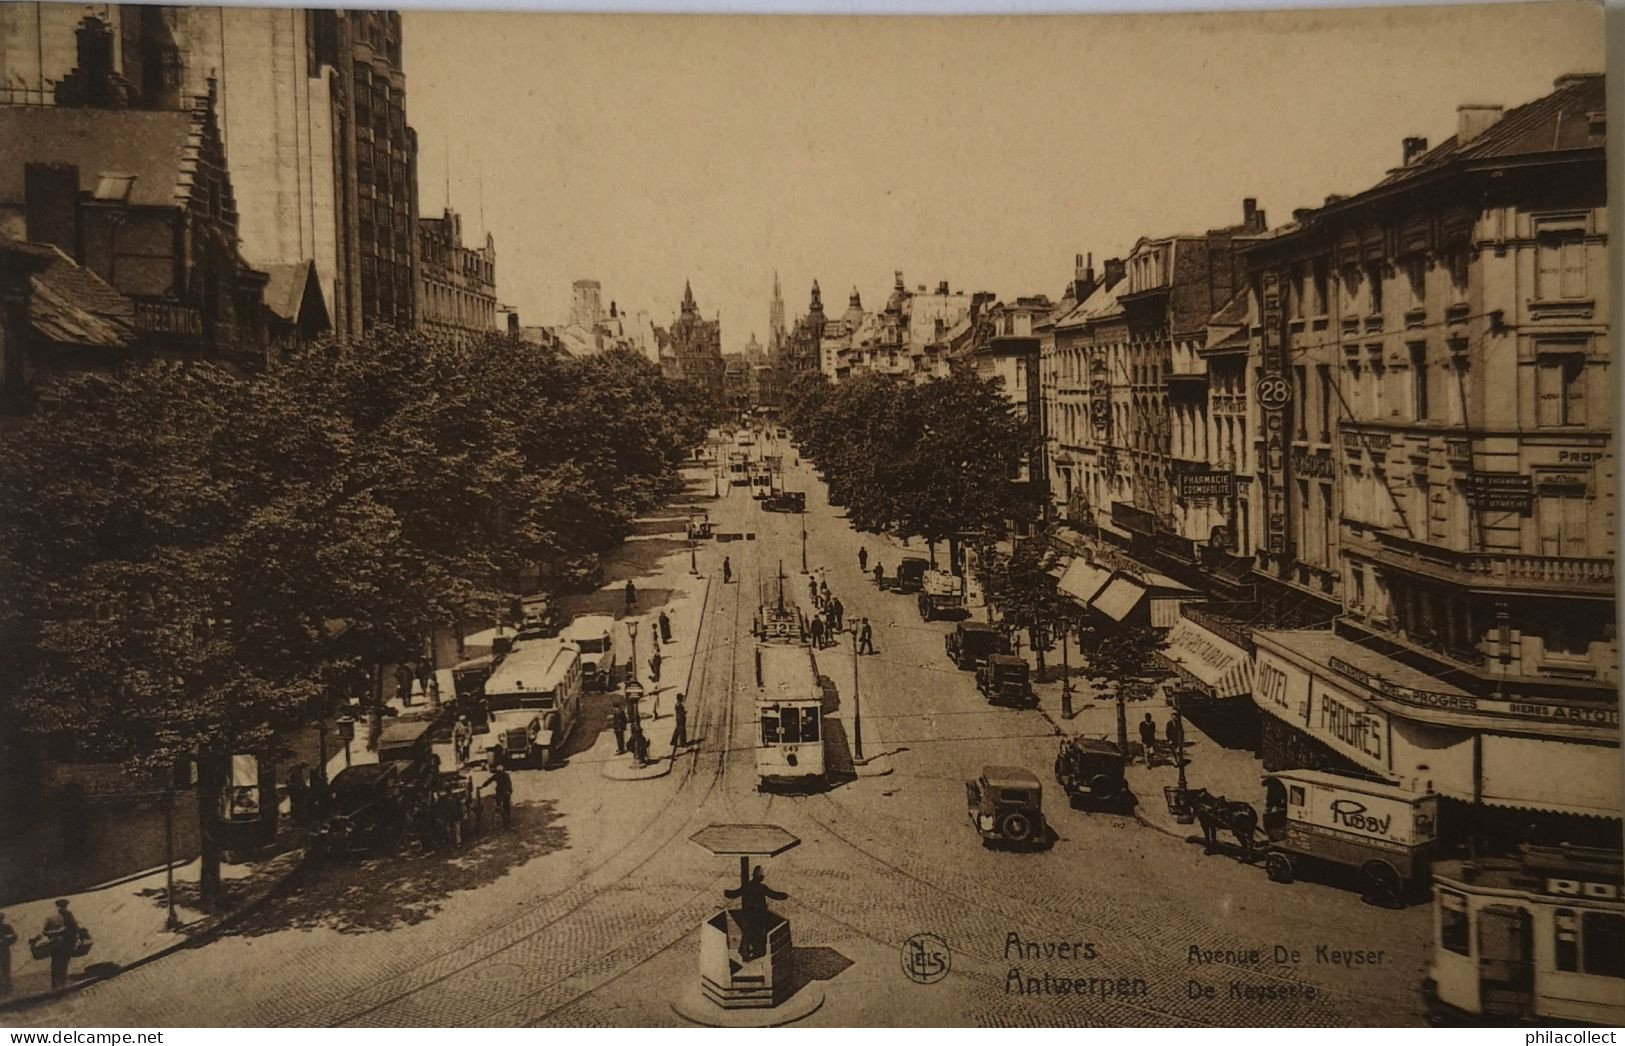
[538, 619]
[1005, 680]
[973, 642]
[1006, 806]
[786, 501]
[366, 809]
[1091, 768]
[594, 634]
[941, 592]
[910, 574]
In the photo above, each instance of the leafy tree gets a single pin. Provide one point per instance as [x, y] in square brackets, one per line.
[1122, 661]
[1020, 585]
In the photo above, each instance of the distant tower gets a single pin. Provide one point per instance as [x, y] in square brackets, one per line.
[690, 310]
[775, 319]
[586, 304]
[815, 312]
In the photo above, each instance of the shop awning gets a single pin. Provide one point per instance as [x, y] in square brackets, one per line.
[1083, 580]
[1119, 599]
[1224, 669]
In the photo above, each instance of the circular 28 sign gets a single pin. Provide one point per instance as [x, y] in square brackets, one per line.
[1273, 392]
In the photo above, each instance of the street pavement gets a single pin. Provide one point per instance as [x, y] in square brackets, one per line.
[587, 912]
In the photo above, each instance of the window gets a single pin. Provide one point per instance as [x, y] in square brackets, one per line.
[1603, 944]
[790, 726]
[1298, 387]
[1458, 260]
[809, 725]
[1328, 526]
[1319, 302]
[1561, 518]
[770, 730]
[1416, 277]
[1454, 922]
[1560, 389]
[1373, 293]
[1560, 263]
[1419, 380]
[1358, 573]
[1323, 374]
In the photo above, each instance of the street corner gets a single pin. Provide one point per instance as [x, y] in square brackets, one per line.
[619, 769]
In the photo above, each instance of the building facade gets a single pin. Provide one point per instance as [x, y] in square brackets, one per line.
[692, 348]
[457, 292]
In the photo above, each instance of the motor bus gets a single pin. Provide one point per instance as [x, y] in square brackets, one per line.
[789, 706]
[533, 697]
[1535, 938]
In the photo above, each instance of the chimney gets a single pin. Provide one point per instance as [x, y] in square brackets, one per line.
[50, 203]
[1083, 276]
[1412, 150]
[942, 288]
[1474, 120]
[1114, 271]
[612, 312]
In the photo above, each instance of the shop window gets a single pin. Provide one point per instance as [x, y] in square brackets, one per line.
[1563, 642]
[1560, 389]
[1560, 267]
[1454, 923]
[1603, 944]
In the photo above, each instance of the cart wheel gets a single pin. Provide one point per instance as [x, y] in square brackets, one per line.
[1016, 828]
[1380, 884]
[1104, 787]
[1278, 866]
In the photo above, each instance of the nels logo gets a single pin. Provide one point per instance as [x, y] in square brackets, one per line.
[925, 958]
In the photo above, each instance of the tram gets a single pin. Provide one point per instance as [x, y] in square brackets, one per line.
[1538, 938]
[738, 469]
[790, 708]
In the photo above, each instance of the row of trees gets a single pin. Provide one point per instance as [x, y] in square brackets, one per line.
[936, 461]
[196, 562]
[933, 461]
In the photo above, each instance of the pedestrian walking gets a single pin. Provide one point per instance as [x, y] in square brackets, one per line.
[839, 612]
[425, 675]
[62, 934]
[866, 637]
[1148, 737]
[502, 787]
[297, 794]
[727, 570]
[631, 596]
[8, 937]
[617, 726]
[665, 628]
[863, 560]
[462, 739]
[880, 577]
[654, 668]
[823, 593]
[403, 683]
[679, 733]
[1176, 737]
[818, 631]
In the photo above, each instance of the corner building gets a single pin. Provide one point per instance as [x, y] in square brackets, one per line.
[1435, 463]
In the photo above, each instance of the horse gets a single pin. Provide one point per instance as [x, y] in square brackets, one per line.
[1215, 812]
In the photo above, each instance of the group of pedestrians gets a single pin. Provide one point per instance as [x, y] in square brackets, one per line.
[420, 673]
[624, 717]
[829, 615]
[1148, 737]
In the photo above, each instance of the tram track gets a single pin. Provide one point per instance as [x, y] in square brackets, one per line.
[713, 716]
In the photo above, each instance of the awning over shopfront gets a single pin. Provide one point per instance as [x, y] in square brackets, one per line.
[1223, 669]
[1529, 773]
[1118, 600]
[1083, 580]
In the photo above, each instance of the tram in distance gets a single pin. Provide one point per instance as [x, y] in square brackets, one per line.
[1538, 938]
[790, 707]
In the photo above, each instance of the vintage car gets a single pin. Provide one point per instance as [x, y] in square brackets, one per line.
[1005, 680]
[699, 527]
[972, 642]
[1090, 768]
[594, 635]
[1006, 806]
[366, 809]
[538, 618]
[941, 593]
[910, 575]
[786, 501]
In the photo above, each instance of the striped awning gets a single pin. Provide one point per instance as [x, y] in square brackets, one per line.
[1223, 669]
[1119, 598]
[1083, 580]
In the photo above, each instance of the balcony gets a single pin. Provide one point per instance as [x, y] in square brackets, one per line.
[1591, 576]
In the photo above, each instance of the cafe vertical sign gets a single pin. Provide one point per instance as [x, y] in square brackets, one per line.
[1274, 394]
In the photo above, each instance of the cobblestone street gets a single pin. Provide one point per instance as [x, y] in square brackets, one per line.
[586, 913]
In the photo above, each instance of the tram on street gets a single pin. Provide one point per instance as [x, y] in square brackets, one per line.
[1536, 938]
[738, 468]
[790, 710]
[533, 696]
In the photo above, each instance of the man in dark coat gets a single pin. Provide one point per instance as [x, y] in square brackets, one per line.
[866, 638]
[818, 631]
[631, 596]
[502, 786]
[1148, 737]
[403, 683]
[665, 628]
[62, 934]
[679, 733]
[617, 726]
[863, 560]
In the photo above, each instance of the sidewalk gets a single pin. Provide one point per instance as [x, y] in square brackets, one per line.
[126, 921]
[1222, 771]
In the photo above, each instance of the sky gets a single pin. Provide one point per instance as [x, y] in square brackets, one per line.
[646, 150]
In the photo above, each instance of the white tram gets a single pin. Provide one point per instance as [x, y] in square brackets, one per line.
[790, 712]
[1537, 938]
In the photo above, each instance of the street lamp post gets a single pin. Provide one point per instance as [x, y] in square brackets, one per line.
[1185, 816]
[1066, 675]
[693, 563]
[857, 704]
[634, 690]
[803, 537]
